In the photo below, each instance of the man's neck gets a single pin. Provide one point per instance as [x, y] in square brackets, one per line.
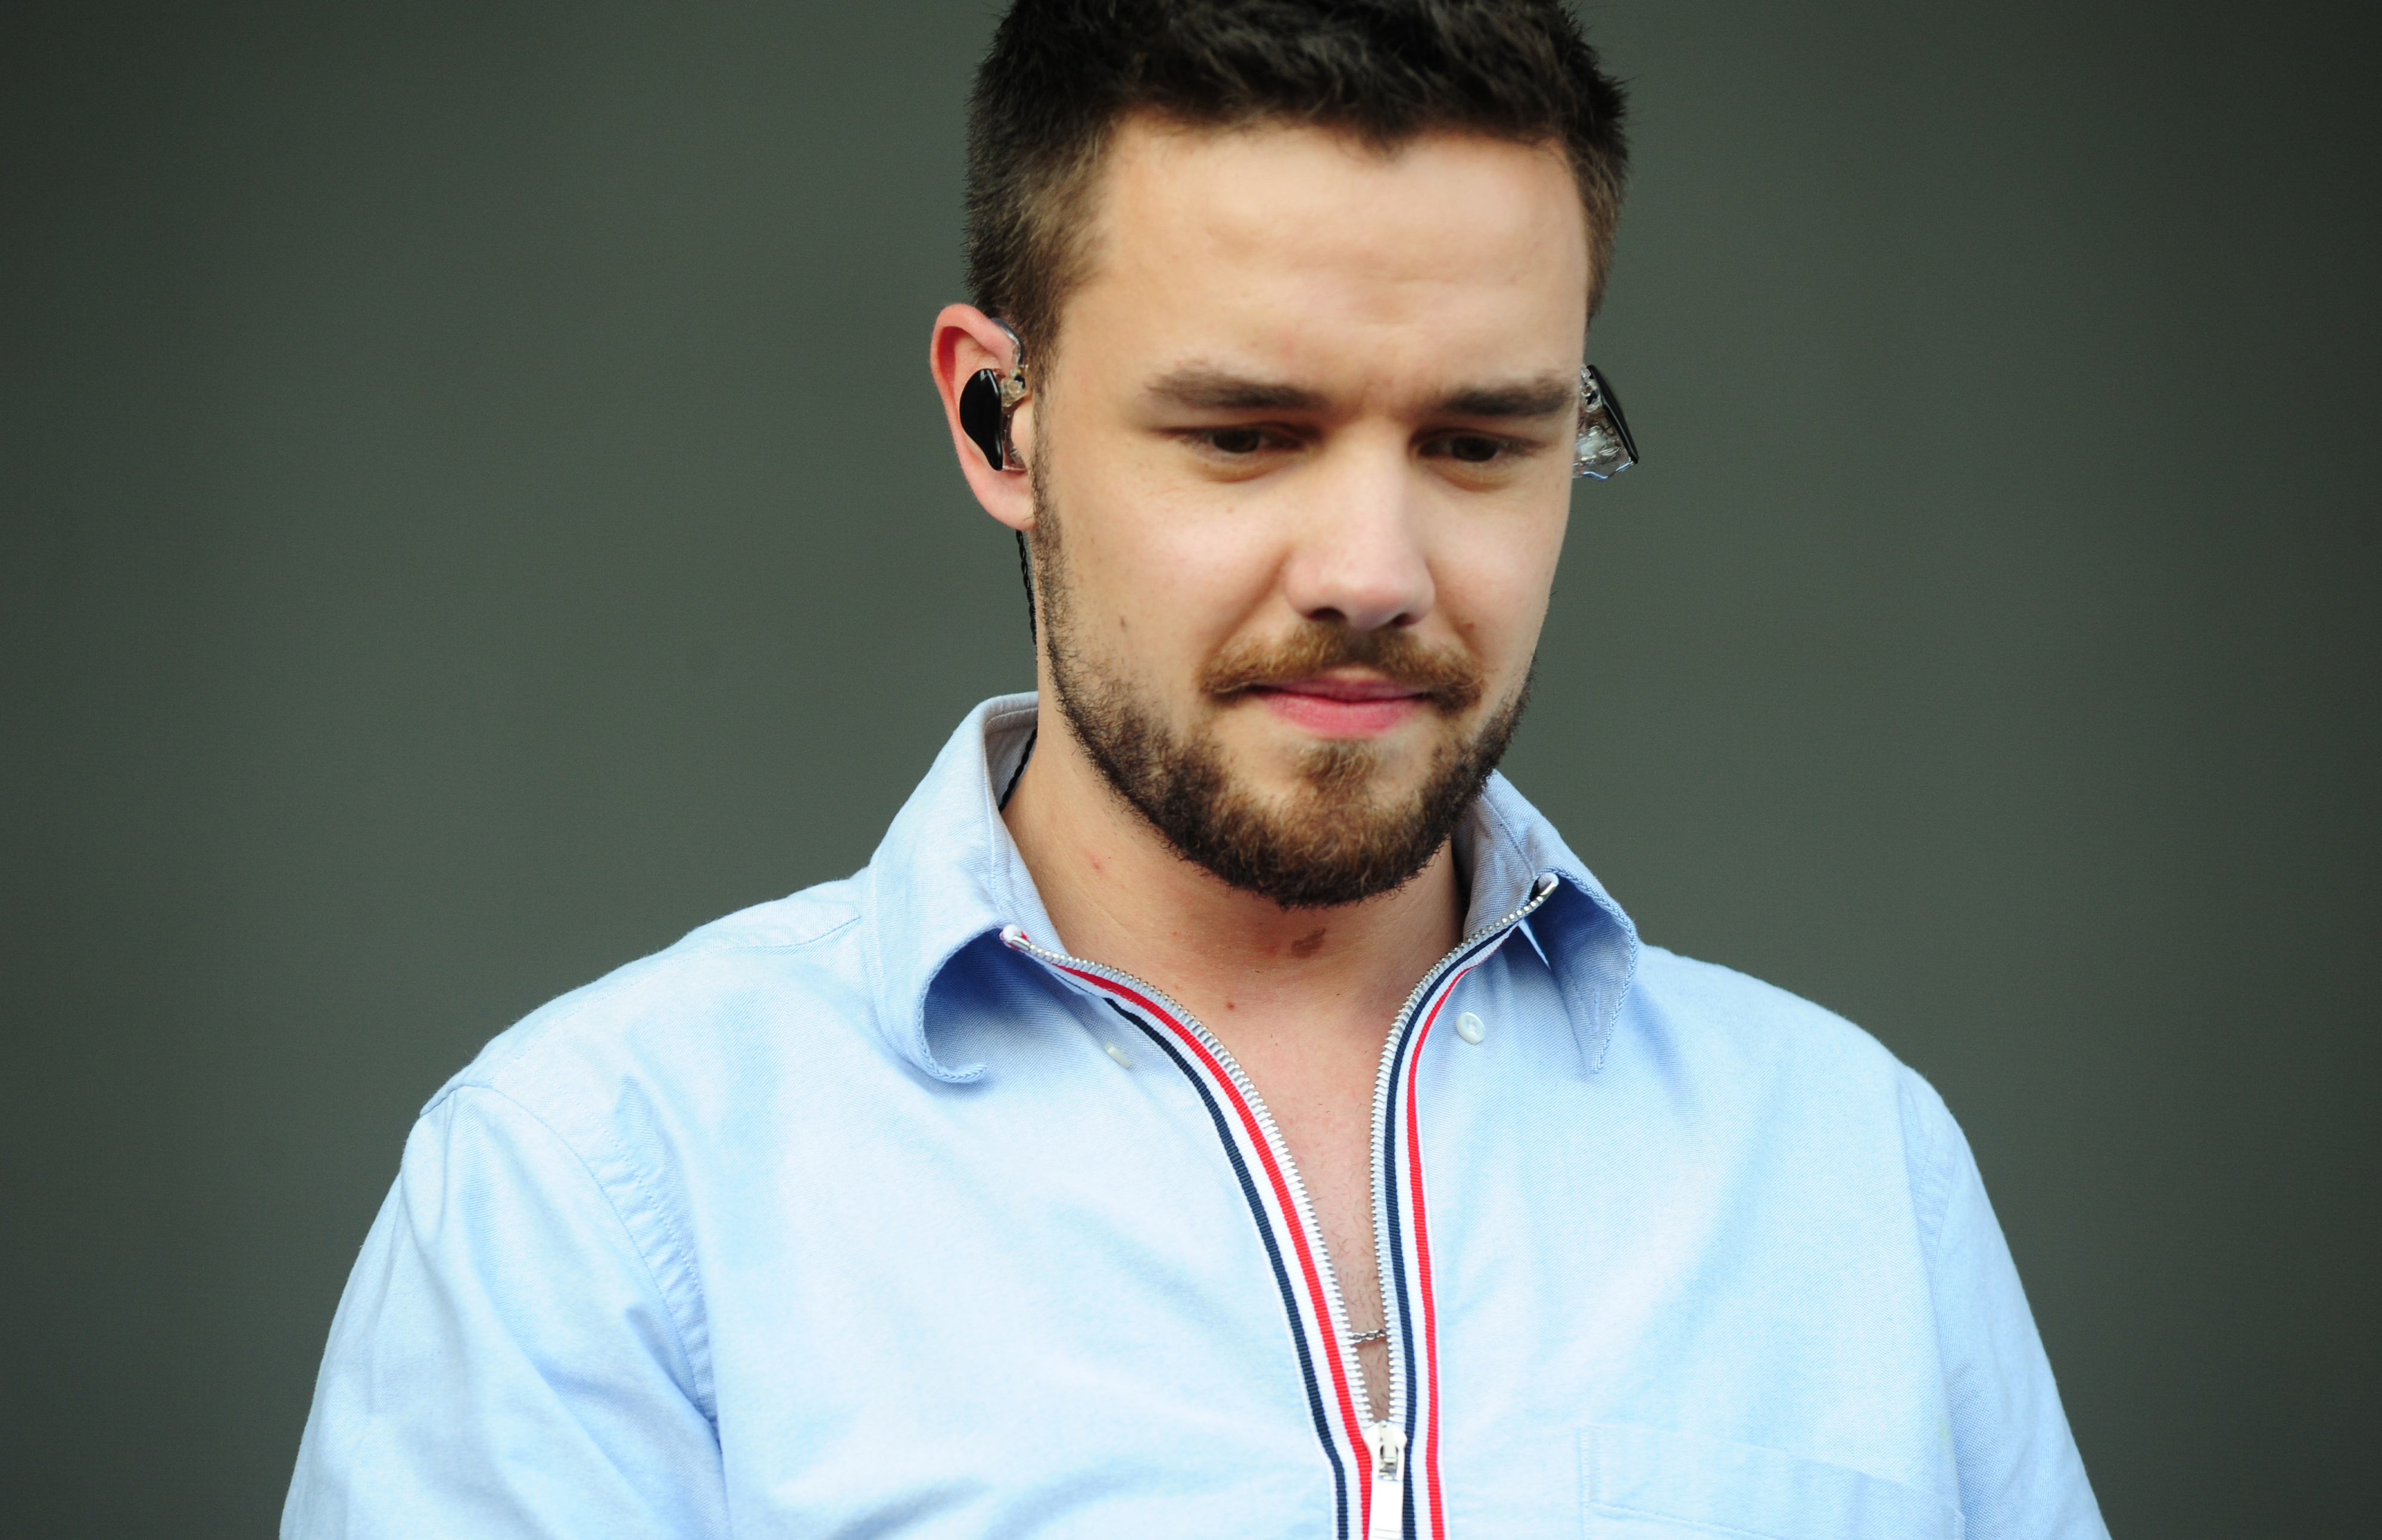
[1119, 895]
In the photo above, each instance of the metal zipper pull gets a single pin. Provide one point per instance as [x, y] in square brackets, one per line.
[1388, 1442]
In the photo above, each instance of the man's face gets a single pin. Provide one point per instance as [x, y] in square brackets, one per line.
[1302, 468]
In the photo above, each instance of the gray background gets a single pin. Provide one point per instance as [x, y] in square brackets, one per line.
[474, 509]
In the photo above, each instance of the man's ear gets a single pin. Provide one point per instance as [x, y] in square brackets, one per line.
[966, 341]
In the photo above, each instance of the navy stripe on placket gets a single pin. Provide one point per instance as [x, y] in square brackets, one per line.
[1274, 1256]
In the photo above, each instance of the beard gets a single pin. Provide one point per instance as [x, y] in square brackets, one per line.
[1340, 836]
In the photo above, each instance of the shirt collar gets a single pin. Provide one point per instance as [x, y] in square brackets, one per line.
[947, 874]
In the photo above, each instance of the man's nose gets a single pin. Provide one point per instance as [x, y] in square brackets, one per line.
[1358, 557]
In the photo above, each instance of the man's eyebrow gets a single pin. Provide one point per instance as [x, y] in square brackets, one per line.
[1536, 398]
[1214, 390]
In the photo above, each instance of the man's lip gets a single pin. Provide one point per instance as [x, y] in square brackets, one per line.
[1328, 688]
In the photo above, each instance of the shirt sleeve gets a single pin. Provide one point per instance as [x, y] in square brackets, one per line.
[2021, 1474]
[502, 1362]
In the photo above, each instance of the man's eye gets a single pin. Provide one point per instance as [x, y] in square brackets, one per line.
[1236, 440]
[1471, 448]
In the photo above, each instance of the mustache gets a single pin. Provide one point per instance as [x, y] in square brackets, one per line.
[1447, 675]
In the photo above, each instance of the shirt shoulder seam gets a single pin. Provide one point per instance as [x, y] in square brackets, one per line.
[696, 1367]
[594, 995]
[1934, 1200]
[712, 949]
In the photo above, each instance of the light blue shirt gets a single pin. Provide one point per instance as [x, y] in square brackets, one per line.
[869, 1211]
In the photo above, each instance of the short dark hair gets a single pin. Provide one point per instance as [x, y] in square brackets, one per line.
[1063, 74]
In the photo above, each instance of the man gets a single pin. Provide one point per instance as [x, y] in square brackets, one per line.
[1222, 1106]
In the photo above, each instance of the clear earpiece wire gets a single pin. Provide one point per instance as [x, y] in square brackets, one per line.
[1603, 448]
[1014, 391]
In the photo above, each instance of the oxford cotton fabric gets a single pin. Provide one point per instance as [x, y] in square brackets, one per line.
[838, 1218]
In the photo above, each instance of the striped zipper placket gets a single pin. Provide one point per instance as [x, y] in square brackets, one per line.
[1278, 1203]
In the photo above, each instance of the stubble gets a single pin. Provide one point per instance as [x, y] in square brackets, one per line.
[1339, 835]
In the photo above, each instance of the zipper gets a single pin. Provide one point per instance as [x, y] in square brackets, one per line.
[1388, 1442]
[1385, 1440]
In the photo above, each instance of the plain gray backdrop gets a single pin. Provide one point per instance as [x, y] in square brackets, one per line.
[474, 509]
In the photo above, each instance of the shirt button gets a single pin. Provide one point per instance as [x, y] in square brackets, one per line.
[1468, 1028]
[1119, 1055]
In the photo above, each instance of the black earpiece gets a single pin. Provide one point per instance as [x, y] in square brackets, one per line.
[980, 415]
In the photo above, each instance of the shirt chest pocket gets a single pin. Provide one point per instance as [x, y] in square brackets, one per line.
[1639, 1484]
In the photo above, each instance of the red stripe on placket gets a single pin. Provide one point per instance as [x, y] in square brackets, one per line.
[1421, 1229]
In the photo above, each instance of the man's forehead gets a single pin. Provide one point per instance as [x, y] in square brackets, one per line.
[1277, 187]
[1152, 141]
[1260, 245]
